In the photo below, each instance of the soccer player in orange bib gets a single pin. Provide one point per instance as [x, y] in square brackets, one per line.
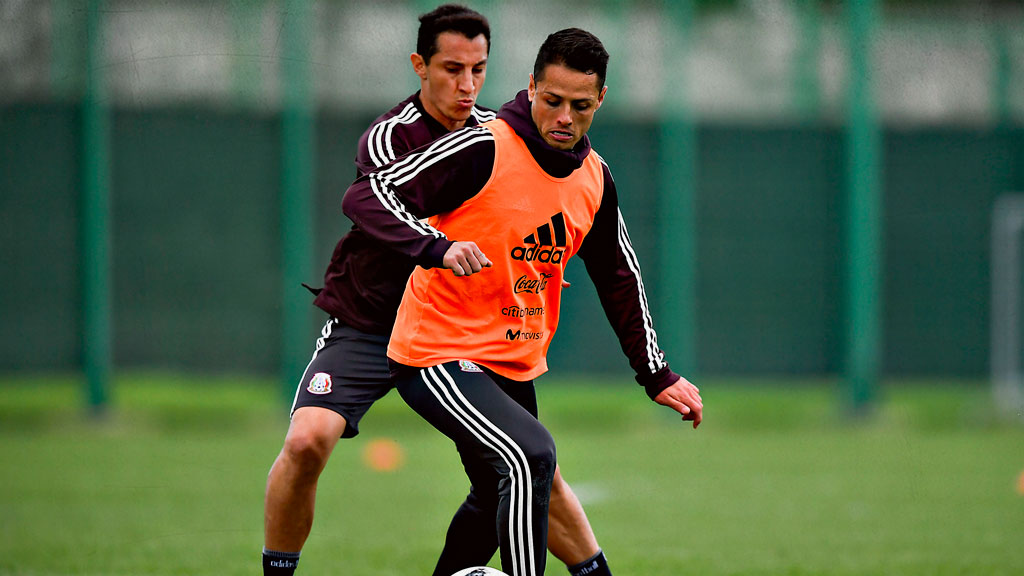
[508, 203]
[362, 290]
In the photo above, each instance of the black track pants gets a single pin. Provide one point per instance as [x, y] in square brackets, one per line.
[507, 454]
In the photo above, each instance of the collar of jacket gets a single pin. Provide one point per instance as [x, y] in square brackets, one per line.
[557, 163]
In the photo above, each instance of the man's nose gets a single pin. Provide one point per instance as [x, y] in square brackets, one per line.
[465, 83]
[564, 115]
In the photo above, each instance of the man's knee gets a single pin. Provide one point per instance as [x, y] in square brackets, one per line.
[312, 436]
[545, 459]
[307, 449]
[539, 460]
[542, 460]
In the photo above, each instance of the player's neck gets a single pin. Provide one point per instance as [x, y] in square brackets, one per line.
[455, 126]
[448, 123]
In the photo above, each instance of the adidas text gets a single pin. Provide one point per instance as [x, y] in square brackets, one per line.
[537, 253]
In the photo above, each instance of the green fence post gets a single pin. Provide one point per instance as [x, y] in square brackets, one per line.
[96, 233]
[806, 86]
[1002, 71]
[618, 13]
[246, 65]
[66, 60]
[677, 189]
[297, 174]
[864, 214]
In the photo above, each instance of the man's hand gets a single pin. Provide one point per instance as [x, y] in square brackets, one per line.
[465, 258]
[684, 398]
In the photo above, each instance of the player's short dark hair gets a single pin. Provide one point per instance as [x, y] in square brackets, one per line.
[576, 49]
[449, 18]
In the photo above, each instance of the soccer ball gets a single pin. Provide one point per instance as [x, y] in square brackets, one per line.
[480, 571]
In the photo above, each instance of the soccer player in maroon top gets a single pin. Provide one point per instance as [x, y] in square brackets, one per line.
[363, 287]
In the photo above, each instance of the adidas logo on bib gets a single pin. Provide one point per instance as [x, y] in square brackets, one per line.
[543, 246]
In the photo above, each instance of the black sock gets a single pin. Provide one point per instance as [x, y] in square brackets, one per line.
[279, 563]
[596, 566]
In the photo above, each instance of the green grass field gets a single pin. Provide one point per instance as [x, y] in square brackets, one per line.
[775, 482]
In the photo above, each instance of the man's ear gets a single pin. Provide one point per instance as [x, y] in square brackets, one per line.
[600, 97]
[419, 65]
[532, 90]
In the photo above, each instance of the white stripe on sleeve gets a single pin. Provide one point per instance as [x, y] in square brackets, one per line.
[655, 357]
[379, 143]
[383, 182]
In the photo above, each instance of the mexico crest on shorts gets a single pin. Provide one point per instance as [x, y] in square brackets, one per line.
[467, 366]
[320, 384]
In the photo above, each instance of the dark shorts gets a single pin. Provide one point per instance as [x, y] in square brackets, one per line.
[348, 373]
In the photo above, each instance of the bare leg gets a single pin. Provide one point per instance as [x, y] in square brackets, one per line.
[570, 537]
[291, 485]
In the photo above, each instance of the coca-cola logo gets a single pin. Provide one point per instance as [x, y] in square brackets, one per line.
[529, 285]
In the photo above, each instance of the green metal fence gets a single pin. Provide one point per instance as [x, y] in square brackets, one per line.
[197, 250]
[818, 239]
